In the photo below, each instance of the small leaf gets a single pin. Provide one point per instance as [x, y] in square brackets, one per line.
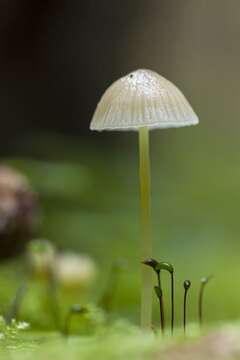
[163, 265]
[154, 264]
[158, 291]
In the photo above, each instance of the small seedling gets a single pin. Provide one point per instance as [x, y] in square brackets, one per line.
[168, 267]
[186, 285]
[74, 310]
[204, 281]
[155, 265]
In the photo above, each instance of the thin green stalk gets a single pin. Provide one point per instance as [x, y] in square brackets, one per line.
[172, 302]
[204, 282]
[184, 310]
[186, 286]
[163, 265]
[161, 306]
[145, 192]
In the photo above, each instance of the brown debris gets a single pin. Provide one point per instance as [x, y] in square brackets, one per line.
[222, 344]
[18, 205]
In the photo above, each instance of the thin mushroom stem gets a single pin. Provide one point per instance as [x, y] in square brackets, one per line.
[145, 194]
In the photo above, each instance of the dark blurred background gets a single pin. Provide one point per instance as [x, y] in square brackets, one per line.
[56, 59]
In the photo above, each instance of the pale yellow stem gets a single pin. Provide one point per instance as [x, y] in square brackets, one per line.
[145, 191]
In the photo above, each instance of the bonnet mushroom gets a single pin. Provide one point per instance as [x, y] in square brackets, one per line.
[141, 101]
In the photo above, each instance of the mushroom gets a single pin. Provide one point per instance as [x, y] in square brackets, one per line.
[74, 271]
[143, 100]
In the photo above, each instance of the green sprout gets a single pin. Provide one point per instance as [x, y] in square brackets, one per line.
[154, 264]
[157, 267]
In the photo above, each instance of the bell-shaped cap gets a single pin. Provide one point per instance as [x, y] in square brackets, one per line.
[142, 98]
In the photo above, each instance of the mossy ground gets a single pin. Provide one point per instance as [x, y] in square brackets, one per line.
[121, 340]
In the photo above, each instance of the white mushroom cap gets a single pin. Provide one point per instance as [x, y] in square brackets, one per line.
[142, 98]
[75, 270]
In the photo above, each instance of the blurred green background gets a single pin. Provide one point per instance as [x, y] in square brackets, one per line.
[57, 58]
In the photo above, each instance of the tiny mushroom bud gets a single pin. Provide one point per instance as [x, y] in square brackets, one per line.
[141, 101]
[74, 270]
[41, 256]
[163, 265]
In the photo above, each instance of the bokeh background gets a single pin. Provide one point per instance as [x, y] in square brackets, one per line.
[56, 59]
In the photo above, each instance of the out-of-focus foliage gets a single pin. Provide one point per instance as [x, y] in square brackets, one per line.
[195, 214]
